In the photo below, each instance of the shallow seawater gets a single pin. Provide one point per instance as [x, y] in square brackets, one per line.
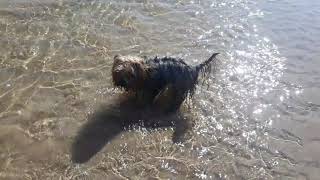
[257, 117]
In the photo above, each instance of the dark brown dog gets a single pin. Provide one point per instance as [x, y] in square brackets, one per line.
[164, 82]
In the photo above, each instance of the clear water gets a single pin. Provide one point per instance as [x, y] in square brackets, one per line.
[257, 119]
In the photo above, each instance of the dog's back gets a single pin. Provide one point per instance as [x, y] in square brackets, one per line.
[174, 71]
[169, 70]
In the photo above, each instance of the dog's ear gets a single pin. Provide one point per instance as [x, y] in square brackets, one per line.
[116, 59]
[140, 71]
[116, 56]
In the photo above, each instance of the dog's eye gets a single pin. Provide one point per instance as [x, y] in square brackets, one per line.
[119, 68]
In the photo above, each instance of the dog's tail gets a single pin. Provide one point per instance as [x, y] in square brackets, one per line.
[206, 64]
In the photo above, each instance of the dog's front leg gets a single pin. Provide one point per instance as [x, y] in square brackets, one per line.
[144, 97]
[165, 98]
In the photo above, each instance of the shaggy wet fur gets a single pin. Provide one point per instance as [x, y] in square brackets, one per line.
[161, 82]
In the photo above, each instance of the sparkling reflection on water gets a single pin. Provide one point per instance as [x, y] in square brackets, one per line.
[55, 90]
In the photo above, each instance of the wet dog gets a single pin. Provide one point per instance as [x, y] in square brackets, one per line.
[159, 82]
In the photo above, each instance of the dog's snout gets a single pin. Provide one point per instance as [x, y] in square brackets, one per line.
[123, 83]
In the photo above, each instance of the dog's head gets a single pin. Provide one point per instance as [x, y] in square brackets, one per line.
[128, 72]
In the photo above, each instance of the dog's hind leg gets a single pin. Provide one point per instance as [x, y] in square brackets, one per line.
[180, 96]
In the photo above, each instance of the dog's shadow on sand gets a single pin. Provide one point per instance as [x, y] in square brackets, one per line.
[111, 120]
